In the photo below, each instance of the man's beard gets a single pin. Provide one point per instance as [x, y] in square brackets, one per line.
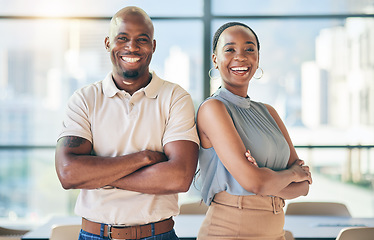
[130, 74]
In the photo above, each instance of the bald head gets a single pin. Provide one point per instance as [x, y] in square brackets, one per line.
[131, 46]
[129, 13]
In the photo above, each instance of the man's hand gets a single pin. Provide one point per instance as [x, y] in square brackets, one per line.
[154, 157]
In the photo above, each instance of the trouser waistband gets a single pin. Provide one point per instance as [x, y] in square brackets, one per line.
[128, 232]
[267, 203]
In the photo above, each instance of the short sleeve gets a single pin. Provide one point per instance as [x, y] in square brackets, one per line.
[77, 121]
[181, 122]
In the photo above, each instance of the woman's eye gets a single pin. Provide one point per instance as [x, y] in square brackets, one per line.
[229, 50]
[250, 50]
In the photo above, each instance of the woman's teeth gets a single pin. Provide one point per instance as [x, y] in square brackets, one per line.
[239, 69]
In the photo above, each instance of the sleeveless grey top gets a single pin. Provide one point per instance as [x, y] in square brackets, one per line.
[259, 133]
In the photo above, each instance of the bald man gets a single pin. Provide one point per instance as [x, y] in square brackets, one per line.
[129, 142]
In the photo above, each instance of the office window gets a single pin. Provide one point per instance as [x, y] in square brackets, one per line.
[290, 7]
[42, 62]
[97, 8]
[317, 77]
[318, 64]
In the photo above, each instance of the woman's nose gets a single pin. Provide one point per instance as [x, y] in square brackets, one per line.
[240, 56]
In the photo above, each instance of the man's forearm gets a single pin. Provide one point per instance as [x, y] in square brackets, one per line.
[172, 176]
[77, 169]
[161, 178]
[90, 172]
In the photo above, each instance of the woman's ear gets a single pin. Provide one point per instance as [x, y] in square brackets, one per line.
[214, 60]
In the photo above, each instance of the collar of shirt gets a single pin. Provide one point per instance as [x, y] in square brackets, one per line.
[151, 90]
[242, 102]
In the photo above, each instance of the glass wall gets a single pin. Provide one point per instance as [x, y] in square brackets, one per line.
[318, 62]
[290, 7]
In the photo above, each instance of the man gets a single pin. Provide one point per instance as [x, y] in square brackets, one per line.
[129, 141]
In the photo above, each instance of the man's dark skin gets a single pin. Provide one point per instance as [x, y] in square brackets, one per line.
[131, 45]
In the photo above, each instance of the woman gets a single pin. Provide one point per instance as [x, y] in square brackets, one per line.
[247, 160]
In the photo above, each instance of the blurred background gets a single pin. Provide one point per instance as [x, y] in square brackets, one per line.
[318, 62]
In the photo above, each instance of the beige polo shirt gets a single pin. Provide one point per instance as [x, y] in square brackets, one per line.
[117, 124]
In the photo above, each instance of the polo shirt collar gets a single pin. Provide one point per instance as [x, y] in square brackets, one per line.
[151, 90]
[109, 87]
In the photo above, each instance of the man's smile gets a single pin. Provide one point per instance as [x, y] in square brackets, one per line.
[130, 59]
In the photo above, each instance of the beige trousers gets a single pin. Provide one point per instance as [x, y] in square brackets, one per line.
[243, 217]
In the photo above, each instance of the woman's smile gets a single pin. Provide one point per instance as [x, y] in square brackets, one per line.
[241, 71]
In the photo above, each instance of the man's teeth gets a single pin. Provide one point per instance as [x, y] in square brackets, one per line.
[130, 60]
[239, 69]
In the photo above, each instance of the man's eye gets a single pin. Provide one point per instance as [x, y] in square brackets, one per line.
[122, 38]
[143, 40]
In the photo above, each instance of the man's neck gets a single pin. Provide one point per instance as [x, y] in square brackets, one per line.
[131, 85]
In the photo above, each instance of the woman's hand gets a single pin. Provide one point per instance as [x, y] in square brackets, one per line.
[250, 158]
[301, 172]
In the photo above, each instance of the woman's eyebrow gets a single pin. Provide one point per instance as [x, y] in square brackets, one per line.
[229, 43]
[250, 42]
[232, 43]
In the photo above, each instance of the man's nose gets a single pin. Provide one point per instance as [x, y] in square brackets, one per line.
[132, 46]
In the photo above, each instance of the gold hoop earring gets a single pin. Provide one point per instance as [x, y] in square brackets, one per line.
[210, 74]
[262, 73]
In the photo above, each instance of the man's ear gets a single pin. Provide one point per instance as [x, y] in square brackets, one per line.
[107, 44]
[154, 45]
